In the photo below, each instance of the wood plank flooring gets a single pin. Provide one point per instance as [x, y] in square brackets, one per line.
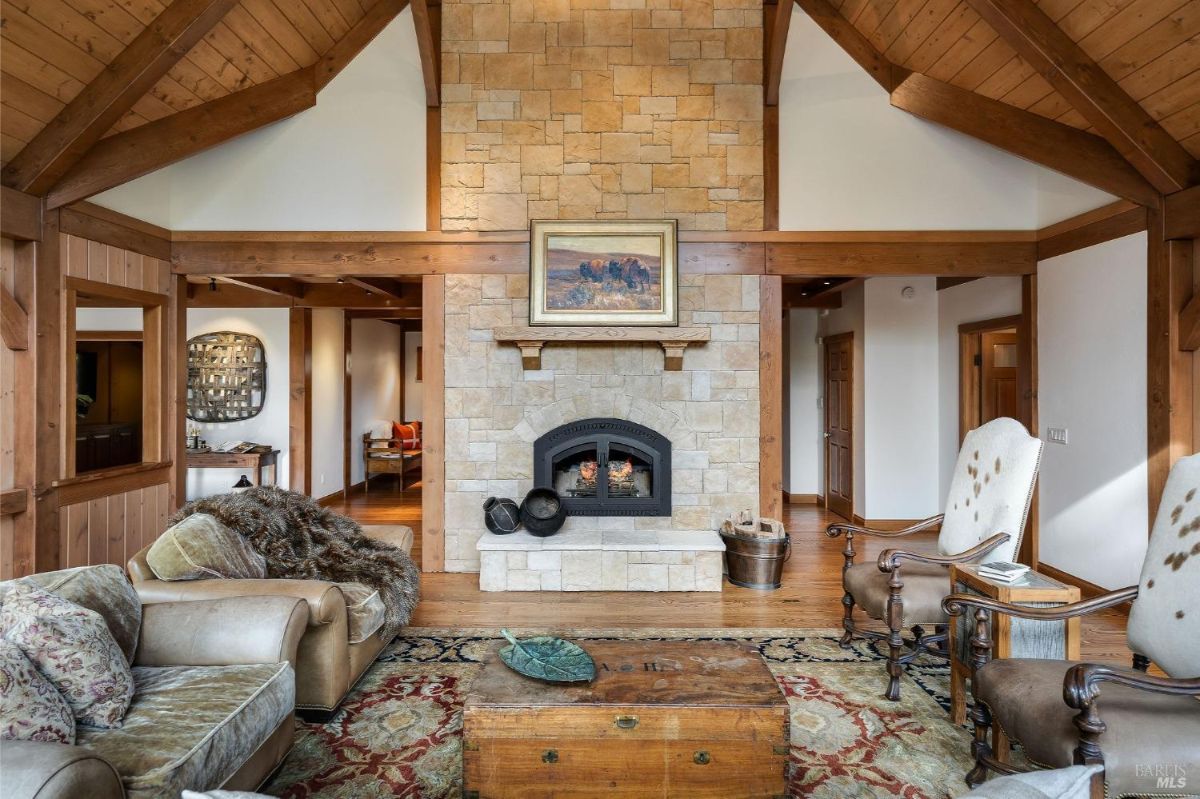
[810, 596]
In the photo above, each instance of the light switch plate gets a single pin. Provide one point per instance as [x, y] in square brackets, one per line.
[1057, 435]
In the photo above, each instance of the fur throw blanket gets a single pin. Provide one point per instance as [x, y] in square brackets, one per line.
[303, 541]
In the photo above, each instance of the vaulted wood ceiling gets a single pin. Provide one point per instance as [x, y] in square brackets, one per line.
[1151, 48]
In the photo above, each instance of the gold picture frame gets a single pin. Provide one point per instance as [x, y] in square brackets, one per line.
[603, 272]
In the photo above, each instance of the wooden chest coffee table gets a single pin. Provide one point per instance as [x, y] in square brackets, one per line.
[661, 719]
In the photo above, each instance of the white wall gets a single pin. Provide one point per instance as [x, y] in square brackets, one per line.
[271, 425]
[848, 319]
[412, 389]
[356, 161]
[328, 385]
[108, 318]
[850, 161]
[803, 421]
[1092, 381]
[977, 301]
[900, 411]
[375, 382]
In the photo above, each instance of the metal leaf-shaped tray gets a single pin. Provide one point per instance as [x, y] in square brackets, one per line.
[546, 658]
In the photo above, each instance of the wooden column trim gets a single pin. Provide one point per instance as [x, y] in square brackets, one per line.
[179, 355]
[433, 409]
[770, 395]
[47, 390]
[24, 545]
[433, 168]
[300, 399]
[1170, 392]
[347, 390]
[1027, 401]
[22, 217]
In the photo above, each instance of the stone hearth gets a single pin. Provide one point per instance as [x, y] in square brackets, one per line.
[608, 560]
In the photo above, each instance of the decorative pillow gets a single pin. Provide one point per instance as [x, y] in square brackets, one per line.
[365, 612]
[73, 648]
[407, 434]
[201, 548]
[381, 428]
[31, 709]
[1064, 783]
[104, 589]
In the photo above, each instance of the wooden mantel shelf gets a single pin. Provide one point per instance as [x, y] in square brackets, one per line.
[674, 340]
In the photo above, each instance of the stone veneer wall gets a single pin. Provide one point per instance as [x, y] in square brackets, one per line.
[602, 109]
[495, 410]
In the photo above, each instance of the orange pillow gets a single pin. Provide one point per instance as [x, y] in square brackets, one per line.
[407, 434]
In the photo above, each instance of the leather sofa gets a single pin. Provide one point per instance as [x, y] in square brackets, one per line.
[212, 705]
[328, 662]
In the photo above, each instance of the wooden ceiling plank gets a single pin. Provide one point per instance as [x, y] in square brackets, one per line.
[125, 156]
[853, 42]
[1126, 125]
[350, 45]
[963, 51]
[983, 66]
[900, 17]
[254, 36]
[229, 45]
[956, 26]
[872, 15]
[429, 47]
[26, 32]
[302, 17]
[282, 29]
[1164, 36]
[94, 110]
[928, 21]
[1132, 21]
[773, 63]
[1079, 155]
[330, 18]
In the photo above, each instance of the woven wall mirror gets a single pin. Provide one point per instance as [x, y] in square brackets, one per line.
[226, 377]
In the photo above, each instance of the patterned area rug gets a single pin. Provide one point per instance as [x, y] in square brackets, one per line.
[399, 731]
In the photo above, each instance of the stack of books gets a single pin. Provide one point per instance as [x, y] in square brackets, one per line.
[1002, 572]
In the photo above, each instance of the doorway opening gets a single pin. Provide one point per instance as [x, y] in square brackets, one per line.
[988, 372]
[838, 385]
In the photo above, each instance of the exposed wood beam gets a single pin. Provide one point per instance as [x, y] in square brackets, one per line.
[20, 215]
[429, 47]
[1181, 212]
[893, 258]
[278, 286]
[1054, 145]
[14, 501]
[770, 396]
[358, 37]
[1065, 66]
[777, 27]
[409, 293]
[951, 282]
[65, 140]
[1096, 227]
[857, 46]
[795, 296]
[392, 313]
[235, 293]
[300, 399]
[96, 223]
[125, 156]
[14, 322]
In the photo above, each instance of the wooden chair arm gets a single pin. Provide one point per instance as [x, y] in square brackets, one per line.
[956, 604]
[889, 559]
[837, 528]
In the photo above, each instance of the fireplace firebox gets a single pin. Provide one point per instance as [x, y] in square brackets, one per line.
[606, 467]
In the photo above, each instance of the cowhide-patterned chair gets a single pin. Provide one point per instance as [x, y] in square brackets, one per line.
[1144, 731]
[985, 515]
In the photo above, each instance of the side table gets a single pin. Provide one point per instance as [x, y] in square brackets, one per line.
[1011, 638]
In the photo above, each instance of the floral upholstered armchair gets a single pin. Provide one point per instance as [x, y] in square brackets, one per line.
[1143, 730]
[985, 516]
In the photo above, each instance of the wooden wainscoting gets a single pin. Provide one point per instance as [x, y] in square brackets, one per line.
[110, 529]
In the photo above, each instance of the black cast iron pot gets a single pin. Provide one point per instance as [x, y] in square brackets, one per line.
[501, 515]
[543, 512]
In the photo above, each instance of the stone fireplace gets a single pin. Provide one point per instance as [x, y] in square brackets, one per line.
[606, 467]
[496, 410]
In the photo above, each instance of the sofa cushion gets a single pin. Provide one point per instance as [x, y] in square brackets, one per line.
[73, 648]
[364, 611]
[31, 708]
[1026, 698]
[1064, 783]
[193, 726]
[199, 547]
[925, 586]
[104, 589]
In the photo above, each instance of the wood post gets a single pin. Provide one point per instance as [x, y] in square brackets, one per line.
[177, 405]
[45, 418]
[433, 427]
[300, 402]
[1027, 401]
[770, 396]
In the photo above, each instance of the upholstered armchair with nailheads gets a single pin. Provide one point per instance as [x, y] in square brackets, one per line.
[986, 509]
[1143, 730]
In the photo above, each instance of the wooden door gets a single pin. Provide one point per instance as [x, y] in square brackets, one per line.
[839, 424]
[998, 375]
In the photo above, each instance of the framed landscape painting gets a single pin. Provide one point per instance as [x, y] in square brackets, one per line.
[603, 273]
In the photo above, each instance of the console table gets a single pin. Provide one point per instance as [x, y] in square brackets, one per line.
[254, 461]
